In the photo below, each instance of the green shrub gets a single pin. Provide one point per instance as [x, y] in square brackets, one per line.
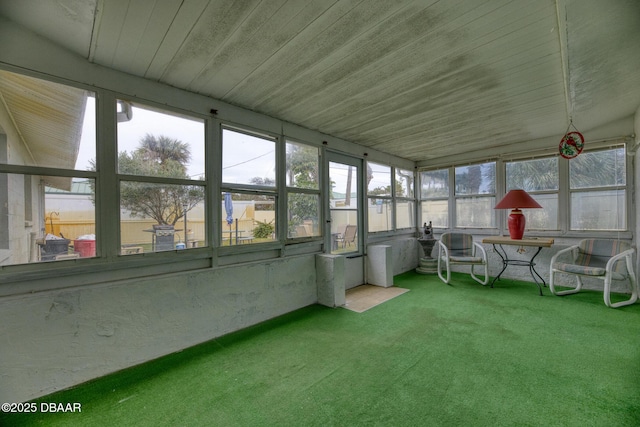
[264, 229]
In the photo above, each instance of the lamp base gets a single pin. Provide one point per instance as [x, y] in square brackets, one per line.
[516, 223]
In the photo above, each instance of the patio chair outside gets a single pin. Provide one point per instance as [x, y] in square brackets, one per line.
[460, 249]
[349, 236]
[602, 259]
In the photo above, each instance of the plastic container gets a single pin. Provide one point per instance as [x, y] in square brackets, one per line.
[51, 248]
[86, 248]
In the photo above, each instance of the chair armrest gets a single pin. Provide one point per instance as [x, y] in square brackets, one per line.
[628, 254]
[562, 252]
[441, 247]
[479, 246]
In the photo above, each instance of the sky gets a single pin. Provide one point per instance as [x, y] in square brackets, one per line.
[244, 156]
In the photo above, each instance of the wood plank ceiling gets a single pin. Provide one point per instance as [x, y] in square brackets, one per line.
[425, 80]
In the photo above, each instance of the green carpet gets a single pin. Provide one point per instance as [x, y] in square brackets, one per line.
[440, 355]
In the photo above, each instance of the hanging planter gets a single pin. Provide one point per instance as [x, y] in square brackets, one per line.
[571, 144]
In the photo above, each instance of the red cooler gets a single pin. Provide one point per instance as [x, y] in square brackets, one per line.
[86, 248]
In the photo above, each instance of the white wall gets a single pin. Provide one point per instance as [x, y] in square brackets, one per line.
[55, 339]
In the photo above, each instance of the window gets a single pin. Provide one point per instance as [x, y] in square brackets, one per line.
[47, 134]
[597, 182]
[303, 190]
[475, 188]
[380, 201]
[166, 212]
[249, 204]
[405, 202]
[539, 178]
[585, 194]
[434, 193]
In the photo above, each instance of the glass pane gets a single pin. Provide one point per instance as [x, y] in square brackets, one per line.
[476, 179]
[159, 143]
[344, 207]
[545, 218]
[55, 123]
[404, 183]
[380, 215]
[476, 212]
[247, 218]
[248, 159]
[533, 175]
[405, 214]
[302, 166]
[154, 217]
[62, 228]
[434, 184]
[436, 211]
[598, 169]
[378, 180]
[303, 211]
[598, 210]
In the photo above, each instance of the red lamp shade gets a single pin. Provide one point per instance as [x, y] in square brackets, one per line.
[517, 199]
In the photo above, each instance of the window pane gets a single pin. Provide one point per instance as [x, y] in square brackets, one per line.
[378, 180]
[343, 207]
[598, 169]
[476, 179]
[159, 143]
[405, 215]
[380, 215]
[436, 211]
[404, 183]
[303, 212]
[56, 123]
[533, 175]
[598, 210]
[247, 218]
[302, 166]
[545, 218]
[152, 217]
[434, 184]
[475, 212]
[61, 228]
[248, 159]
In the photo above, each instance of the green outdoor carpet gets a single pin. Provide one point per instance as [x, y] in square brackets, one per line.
[439, 355]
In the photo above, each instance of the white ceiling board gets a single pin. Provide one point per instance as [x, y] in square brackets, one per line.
[420, 79]
[68, 23]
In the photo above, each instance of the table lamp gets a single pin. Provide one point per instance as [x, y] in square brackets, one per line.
[517, 199]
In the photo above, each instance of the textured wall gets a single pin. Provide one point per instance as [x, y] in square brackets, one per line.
[53, 340]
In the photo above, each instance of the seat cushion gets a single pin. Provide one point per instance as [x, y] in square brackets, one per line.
[585, 270]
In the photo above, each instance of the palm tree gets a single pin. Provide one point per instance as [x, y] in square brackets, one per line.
[158, 156]
[163, 150]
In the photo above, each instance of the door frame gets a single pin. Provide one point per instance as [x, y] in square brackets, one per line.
[355, 261]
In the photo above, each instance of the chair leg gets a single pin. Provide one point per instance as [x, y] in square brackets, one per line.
[484, 281]
[607, 293]
[440, 270]
[568, 291]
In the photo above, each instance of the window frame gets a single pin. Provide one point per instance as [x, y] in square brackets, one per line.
[410, 199]
[393, 199]
[555, 191]
[564, 197]
[626, 188]
[251, 189]
[453, 211]
[289, 190]
[161, 180]
[386, 198]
